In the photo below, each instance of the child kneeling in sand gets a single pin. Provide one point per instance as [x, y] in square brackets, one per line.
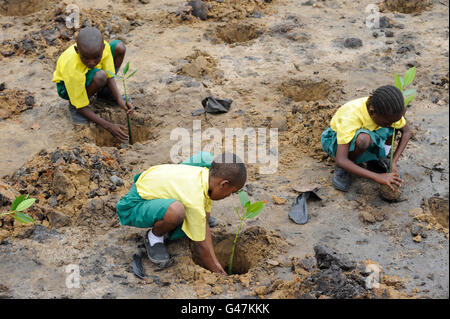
[85, 69]
[176, 200]
[361, 131]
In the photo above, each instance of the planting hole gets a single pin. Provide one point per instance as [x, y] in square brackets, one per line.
[238, 33]
[306, 90]
[254, 246]
[439, 208]
[141, 129]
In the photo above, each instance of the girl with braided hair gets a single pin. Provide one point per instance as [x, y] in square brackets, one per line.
[361, 132]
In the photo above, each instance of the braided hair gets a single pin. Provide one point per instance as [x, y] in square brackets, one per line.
[387, 100]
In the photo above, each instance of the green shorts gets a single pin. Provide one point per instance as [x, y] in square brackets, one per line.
[374, 152]
[133, 210]
[61, 87]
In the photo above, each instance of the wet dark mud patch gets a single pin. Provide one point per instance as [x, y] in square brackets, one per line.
[21, 7]
[142, 128]
[234, 33]
[406, 6]
[254, 246]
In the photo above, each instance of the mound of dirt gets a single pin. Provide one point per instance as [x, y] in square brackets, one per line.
[14, 101]
[222, 11]
[406, 6]
[21, 7]
[72, 185]
[433, 214]
[332, 275]
[200, 65]
[48, 35]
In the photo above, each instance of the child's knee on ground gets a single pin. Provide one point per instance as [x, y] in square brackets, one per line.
[363, 142]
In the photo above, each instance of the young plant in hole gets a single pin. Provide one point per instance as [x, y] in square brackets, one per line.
[21, 203]
[123, 78]
[250, 210]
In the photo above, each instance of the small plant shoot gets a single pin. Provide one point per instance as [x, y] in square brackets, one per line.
[402, 82]
[123, 78]
[249, 210]
[21, 203]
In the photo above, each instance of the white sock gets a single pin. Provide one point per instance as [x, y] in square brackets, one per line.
[387, 149]
[155, 239]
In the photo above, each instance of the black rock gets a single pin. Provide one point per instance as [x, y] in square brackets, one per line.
[199, 9]
[353, 43]
[415, 230]
[2, 86]
[385, 23]
[326, 258]
[389, 33]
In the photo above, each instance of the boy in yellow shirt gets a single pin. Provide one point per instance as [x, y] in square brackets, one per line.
[361, 131]
[176, 200]
[85, 69]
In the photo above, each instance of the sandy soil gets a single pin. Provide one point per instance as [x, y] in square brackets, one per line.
[285, 64]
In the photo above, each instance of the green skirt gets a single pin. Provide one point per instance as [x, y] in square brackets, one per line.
[374, 152]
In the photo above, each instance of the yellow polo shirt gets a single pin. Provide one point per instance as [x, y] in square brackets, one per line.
[187, 184]
[72, 71]
[353, 116]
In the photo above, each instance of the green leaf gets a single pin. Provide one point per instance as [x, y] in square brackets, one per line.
[409, 99]
[397, 82]
[409, 92]
[23, 218]
[243, 197]
[25, 204]
[131, 74]
[402, 81]
[237, 212]
[409, 76]
[125, 70]
[17, 201]
[254, 209]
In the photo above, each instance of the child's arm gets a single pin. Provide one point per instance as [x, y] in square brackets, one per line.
[205, 251]
[112, 86]
[406, 135]
[344, 162]
[114, 129]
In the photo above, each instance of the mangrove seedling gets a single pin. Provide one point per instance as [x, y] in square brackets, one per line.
[402, 82]
[21, 203]
[250, 210]
[123, 78]
[391, 156]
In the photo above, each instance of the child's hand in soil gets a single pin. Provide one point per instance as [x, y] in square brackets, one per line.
[389, 179]
[116, 131]
[129, 107]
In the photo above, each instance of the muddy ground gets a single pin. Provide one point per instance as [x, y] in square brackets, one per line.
[285, 64]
